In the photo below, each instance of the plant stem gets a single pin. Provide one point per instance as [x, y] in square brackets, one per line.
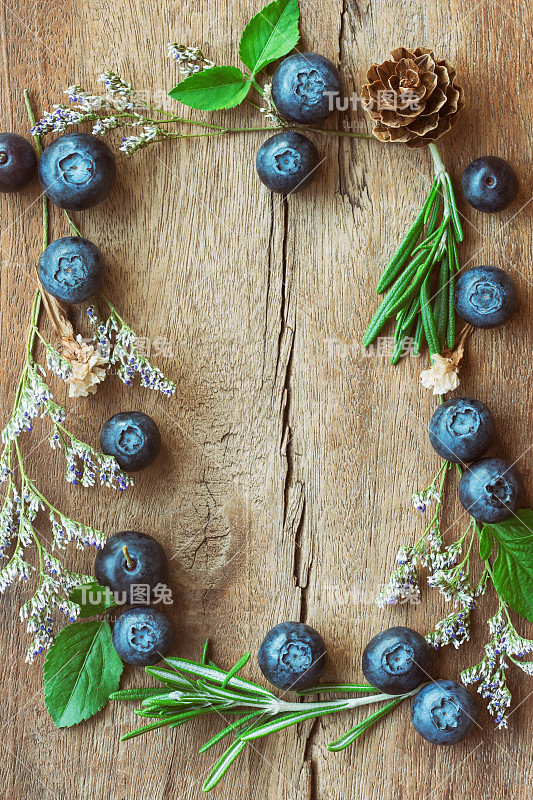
[341, 705]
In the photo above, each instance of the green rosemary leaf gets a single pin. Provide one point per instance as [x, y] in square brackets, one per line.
[512, 570]
[457, 227]
[397, 293]
[430, 208]
[204, 651]
[400, 257]
[405, 248]
[229, 729]
[353, 734]
[428, 320]
[282, 721]
[216, 675]
[337, 687]
[145, 728]
[441, 303]
[419, 337]
[214, 88]
[455, 255]
[230, 695]
[270, 34]
[235, 669]
[223, 764]
[172, 679]
[81, 670]
[412, 313]
[450, 330]
[432, 225]
[399, 345]
[136, 694]
[92, 599]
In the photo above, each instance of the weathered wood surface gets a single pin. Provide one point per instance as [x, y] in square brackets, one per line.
[289, 460]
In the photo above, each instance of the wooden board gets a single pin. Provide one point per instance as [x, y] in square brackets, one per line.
[289, 456]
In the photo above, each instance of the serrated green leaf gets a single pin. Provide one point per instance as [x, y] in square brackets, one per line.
[513, 567]
[81, 670]
[212, 89]
[92, 599]
[271, 34]
[486, 543]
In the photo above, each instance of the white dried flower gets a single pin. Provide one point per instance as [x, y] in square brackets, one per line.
[88, 367]
[442, 376]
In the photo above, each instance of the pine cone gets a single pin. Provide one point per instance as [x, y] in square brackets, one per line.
[413, 98]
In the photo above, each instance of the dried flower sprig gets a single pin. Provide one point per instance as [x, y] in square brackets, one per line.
[448, 571]
[196, 688]
[82, 367]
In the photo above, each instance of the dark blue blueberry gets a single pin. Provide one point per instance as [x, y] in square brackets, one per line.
[489, 184]
[292, 656]
[485, 297]
[443, 712]
[491, 489]
[142, 636]
[77, 171]
[462, 429]
[148, 563]
[396, 661]
[132, 438]
[304, 88]
[18, 162]
[287, 162]
[72, 269]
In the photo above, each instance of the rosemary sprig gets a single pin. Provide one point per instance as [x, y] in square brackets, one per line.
[420, 277]
[197, 688]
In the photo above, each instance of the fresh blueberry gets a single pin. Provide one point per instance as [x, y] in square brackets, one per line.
[77, 171]
[485, 297]
[489, 184]
[443, 712]
[72, 269]
[396, 661]
[287, 162]
[144, 563]
[132, 438]
[18, 162]
[462, 429]
[142, 636]
[292, 656]
[491, 489]
[304, 86]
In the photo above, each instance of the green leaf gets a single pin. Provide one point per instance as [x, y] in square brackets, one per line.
[223, 764]
[271, 34]
[236, 668]
[212, 89]
[513, 567]
[92, 599]
[81, 670]
[212, 673]
[486, 543]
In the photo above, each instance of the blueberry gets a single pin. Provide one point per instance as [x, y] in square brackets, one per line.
[485, 297]
[72, 269]
[149, 565]
[489, 184]
[142, 636]
[77, 171]
[396, 661]
[462, 430]
[287, 162]
[132, 438]
[303, 86]
[18, 162]
[491, 489]
[443, 712]
[292, 656]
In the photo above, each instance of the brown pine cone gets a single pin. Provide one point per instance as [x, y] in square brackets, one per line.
[413, 98]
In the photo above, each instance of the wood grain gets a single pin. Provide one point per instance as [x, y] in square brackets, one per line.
[290, 457]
